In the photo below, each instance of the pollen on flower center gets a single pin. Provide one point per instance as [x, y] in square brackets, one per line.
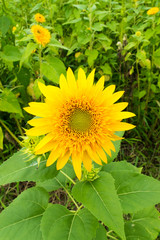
[80, 120]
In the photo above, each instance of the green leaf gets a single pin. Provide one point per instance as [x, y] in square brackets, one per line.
[17, 169]
[56, 43]
[92, 55]
[58, 181]
[142, 94]
[21, 220]
[101, 233]
[130, 45]
[90, 223]
[147, 220]
[9, 102]
[134, 232]
[139, 192]
[106, 69]
[59, 223]
[1, 138]
[5, 23]
[10, 53]
[156, 57]
[53, 68]
[27, 52]
[101, 199]
[84, 38]
[122, 167]
[72, 21]
[98, 27]
[136, 191]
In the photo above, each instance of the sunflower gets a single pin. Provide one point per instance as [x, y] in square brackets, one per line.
[153, 11]
[79, 120]
[39, 18]
[41, 34]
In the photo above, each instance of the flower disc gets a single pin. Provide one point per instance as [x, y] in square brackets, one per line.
[79, 120]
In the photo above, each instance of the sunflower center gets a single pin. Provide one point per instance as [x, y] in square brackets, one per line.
[80, 120]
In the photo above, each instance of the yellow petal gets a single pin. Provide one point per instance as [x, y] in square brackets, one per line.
[122, 115]
[87, 161]
[118, 107]
[54, 155]
[48, 147]
[61, 162]
[71, 80]
[63, 83]
[109, 91]
[121, 126]
[102, 154]
[77, 160]
[115, 97]
[90, 79]
[100, 84]
[50, 92]
[44, 141]
[81, 82]
[93, 155]
[38, 131]
[38, 109]
[37, 122]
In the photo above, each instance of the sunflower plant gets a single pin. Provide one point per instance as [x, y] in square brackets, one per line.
[76, 135]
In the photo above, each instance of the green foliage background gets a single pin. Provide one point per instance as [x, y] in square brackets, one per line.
[88, 34]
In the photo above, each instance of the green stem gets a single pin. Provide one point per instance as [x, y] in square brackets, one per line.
[68, 194]
[110, 236]
[1, 85]
[4, 7]
[151, 70]
[19, 127]
[70, 179]
[12, 134]
[138, 80]
[40, 61]
[90, 25]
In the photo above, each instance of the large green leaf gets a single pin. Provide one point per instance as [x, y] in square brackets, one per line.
[59, 181]
[90, 223]
[27, 52]
[101, 199]
[136, 191]
[136, 232]
[139, 192]
[21, 220]
[9, 102]
[156, 57]
[17, 169]
[53, 68]
[101, 233]
[5, 23]
[1, 138]
[120, 171]
[10, 53]
[59, 223]
[147, 220]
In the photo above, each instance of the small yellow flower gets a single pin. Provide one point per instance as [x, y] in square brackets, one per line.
[79, 120]
[77, 54]
[14, 29]
[39, 18]
[153, 11]
[89, 28]
[34, 51]
[138, 33]
[41, 34]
